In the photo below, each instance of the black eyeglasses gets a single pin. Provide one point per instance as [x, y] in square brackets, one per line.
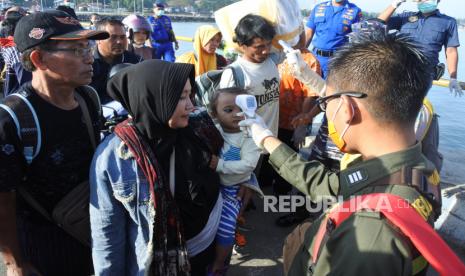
[79, 52]
[323, 101]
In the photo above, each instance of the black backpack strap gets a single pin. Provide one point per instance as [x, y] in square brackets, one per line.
[93, 96]
[415, 178]
[27, 123]
[238, 74]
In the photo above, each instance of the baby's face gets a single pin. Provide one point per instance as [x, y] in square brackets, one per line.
[226, 112]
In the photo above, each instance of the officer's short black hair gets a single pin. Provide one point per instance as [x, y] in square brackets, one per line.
[253, 26]
[390, 69]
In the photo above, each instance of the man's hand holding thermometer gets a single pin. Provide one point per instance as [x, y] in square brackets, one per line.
[301, 71]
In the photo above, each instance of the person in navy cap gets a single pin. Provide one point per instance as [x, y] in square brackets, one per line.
[328, 26]
[162, 35]
[432, 30]
[55, 48]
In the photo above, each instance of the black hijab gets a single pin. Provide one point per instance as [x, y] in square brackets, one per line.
[150, 92]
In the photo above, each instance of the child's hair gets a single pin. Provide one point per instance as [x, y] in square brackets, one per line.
[214, 97]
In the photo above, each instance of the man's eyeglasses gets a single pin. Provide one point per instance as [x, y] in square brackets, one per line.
[79, 52]
[323, 101]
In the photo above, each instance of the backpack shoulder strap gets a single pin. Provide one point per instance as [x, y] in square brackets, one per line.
[238, 74]
[91, 93]
[397, 210]
[86, 113]
[27, 123]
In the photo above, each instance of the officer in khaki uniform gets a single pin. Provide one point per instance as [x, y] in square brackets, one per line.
[374, 92]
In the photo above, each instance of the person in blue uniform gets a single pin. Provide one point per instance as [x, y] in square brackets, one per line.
[432, 30]
[162, 35]
[328, 26]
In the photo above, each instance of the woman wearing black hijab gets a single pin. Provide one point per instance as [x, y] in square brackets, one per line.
[138, 226]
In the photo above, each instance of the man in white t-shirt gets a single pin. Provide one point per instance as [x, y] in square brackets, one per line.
[254, 34]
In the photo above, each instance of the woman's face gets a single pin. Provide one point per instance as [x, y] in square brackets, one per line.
[213, 44]
[180, 117]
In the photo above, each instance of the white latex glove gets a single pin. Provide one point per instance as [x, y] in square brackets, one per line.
[396, 3]
[298, 137]
[257, 128]
[454, 87]
[303, 73]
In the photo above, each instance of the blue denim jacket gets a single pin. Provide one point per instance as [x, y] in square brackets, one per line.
[121, 215]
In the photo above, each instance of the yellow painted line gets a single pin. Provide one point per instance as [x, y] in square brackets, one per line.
[185, 38]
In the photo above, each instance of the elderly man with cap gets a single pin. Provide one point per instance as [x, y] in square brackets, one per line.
[162, 34]
[60, 112]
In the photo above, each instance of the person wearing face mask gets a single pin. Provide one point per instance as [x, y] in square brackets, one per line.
[327, 29]
[432, 30]
[162, 34]
[391, 164]
[328, 26]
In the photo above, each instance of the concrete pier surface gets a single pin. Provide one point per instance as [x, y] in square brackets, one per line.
[263, 253]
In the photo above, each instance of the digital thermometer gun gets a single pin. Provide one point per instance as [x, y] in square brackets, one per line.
[248, 105]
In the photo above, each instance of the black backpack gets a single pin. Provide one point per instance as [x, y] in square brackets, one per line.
[208, 82]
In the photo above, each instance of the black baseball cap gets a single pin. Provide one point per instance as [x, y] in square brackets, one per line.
[39, 27]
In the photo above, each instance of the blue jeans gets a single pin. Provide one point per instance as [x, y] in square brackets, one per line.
[164, 51]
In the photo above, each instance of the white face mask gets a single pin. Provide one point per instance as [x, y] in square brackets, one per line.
[160, 12]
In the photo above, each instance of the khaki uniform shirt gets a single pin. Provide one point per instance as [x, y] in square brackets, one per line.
[365, 243]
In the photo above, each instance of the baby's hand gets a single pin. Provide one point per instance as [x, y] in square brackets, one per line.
[214, 162]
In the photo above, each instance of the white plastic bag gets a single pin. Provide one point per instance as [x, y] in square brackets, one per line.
[284, 14]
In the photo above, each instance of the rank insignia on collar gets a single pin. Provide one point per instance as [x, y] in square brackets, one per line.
[356, 177]
[413, 18]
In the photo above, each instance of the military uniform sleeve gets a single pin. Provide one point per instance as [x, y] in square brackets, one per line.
[452, 38]
[12, 162]
[310, 177]
[373, 247]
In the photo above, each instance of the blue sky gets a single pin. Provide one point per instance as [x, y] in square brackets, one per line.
[453, 8]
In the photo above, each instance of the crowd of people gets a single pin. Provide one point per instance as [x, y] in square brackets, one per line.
[160, 184]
